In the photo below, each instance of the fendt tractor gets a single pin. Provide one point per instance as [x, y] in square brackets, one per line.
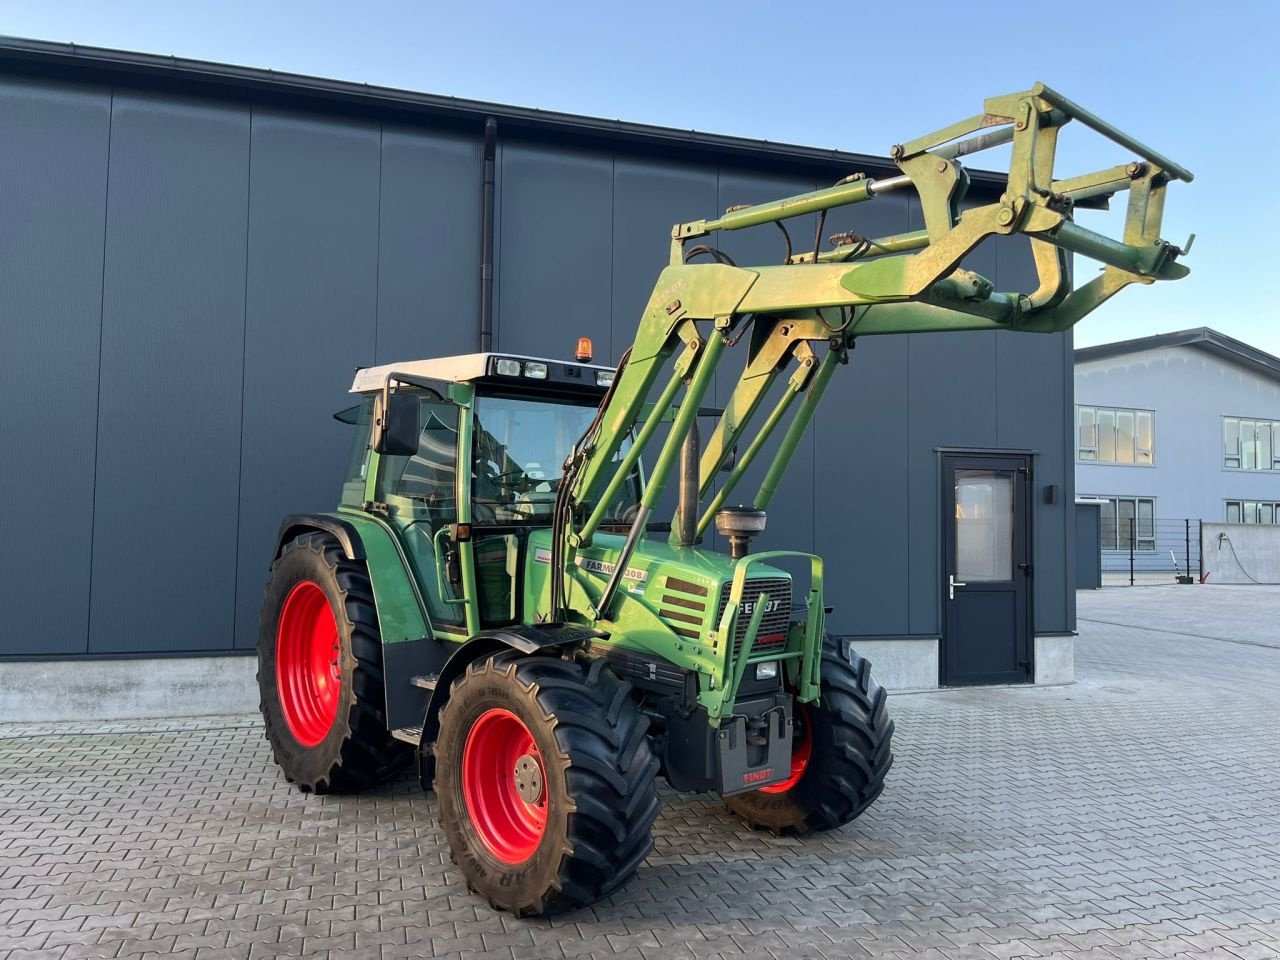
[490, 598]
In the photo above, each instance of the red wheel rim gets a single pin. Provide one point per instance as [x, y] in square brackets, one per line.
[308, 671]
[504, 784]
[800, 754]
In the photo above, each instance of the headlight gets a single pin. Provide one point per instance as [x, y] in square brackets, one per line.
[767, 671]
[604, 378]
[538, 371]
[508, 368]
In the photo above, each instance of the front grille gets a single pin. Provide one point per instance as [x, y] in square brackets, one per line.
[777, 619]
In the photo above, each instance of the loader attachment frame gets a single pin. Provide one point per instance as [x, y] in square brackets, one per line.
[862, 286]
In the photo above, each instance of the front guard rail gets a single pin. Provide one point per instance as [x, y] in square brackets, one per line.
[801, 654]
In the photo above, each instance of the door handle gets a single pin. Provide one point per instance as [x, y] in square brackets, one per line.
[952, 583]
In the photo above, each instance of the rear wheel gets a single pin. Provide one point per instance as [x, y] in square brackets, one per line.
[545, 782]
[841, 753]
[320, 670]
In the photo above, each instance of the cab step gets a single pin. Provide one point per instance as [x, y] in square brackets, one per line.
[411, 735]
[426, 681]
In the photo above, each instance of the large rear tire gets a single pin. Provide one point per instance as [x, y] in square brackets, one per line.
[840, 756]
[320, 671]
[545, 781]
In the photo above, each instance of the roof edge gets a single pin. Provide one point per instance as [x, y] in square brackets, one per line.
[21, 55]
[1204, 338]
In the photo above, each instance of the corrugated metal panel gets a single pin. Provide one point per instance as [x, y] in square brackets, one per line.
[166, 502]
[429, 245]
[1036, 411]
[310, 317]
[53, 187]
[554, 257]
[647, 199]
[362, 245]
[951, 403]
[860, 497]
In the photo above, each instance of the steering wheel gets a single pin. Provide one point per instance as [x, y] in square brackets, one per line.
[626, 513]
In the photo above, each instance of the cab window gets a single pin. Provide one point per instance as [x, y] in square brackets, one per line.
[518, 456]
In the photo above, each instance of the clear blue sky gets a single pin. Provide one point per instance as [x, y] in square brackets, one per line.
[1198, 81]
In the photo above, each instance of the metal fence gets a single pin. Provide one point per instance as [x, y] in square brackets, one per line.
[1138, 550]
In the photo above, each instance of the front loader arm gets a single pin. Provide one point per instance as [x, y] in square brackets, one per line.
[862, 286]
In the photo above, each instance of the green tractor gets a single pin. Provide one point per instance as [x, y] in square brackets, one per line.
[493, 598]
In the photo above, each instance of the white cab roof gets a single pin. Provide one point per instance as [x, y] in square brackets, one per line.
[468, 366]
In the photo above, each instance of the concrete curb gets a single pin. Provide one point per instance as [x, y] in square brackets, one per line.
[50, 691]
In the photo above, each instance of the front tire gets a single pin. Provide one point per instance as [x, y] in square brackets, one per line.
[545, 782]
[841, 757]
[320, 671]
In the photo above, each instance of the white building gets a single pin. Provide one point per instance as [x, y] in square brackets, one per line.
[1181, 425]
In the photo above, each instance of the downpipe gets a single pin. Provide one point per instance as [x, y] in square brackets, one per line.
[486, 234]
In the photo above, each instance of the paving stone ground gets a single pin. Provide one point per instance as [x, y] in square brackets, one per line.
[1135, 814]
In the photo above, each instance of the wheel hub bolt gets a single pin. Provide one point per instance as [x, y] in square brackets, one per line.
[528, 779]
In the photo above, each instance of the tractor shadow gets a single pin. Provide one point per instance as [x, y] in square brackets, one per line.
[707, 867]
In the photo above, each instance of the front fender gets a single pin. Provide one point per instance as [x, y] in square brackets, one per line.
[529, 640]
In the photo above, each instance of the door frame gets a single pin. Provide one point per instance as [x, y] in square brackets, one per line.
[946, 497]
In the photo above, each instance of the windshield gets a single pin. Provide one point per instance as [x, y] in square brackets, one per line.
[518, 458]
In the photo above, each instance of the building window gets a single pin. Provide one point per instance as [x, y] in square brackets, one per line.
[1115, 435]
[1250, 444]
[1123, 517]
[1253, 511]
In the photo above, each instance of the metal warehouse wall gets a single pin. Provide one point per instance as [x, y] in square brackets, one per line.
[186, 285]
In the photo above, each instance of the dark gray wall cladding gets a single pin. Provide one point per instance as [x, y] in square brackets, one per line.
[53, 187]
[555, 262]
[166, 501]
[310, 315]
[429, 246]
[254, 257]
[648, 199]
[860, 496]
[951, 403]
[1036, 385]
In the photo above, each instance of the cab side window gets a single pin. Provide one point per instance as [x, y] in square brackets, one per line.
[428, 477]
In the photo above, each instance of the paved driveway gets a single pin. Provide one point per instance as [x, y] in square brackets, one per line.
[1134, 814]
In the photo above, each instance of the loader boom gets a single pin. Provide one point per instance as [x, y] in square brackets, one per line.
[862, 286]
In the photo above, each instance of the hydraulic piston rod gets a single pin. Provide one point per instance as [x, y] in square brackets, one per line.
[842, 194]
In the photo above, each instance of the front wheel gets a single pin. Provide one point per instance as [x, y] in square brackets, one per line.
[545, 782]
[840, 754]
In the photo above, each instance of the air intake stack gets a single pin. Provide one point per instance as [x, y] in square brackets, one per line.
[740, 525]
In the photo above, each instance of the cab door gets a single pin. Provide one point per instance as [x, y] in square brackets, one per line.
[419, 490]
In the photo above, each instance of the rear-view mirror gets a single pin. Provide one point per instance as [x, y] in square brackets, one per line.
[395, 430]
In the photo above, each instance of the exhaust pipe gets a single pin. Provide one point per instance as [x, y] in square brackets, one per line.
[687, 514]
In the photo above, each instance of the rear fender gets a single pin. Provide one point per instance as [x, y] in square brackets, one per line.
[402, 615]
[297, 524]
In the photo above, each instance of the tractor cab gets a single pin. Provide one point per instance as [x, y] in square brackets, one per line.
[510, 422]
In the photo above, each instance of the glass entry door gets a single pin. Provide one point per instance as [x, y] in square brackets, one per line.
[986, 569]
